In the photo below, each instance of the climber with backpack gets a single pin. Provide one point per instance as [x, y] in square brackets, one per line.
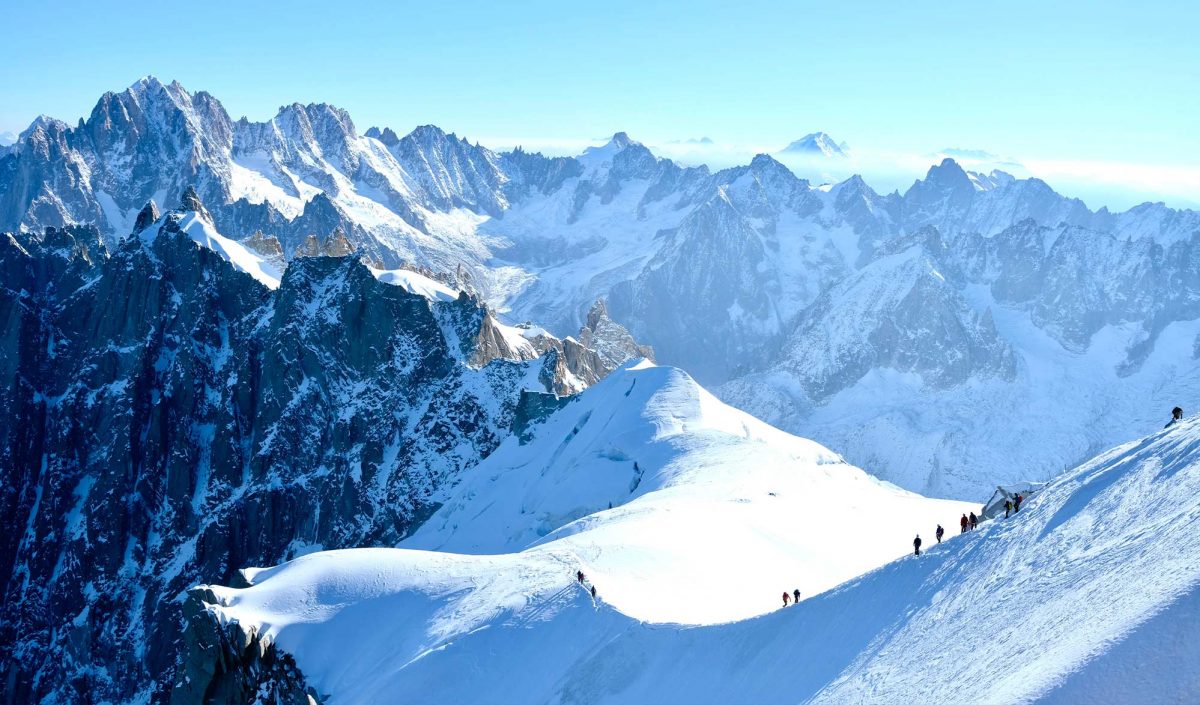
[1176, 417]
[1007, 507]
[962, 523]
[786, 597]
[974, 521]
[939, 533]
[917, 545]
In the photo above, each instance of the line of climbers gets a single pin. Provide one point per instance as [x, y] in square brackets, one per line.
[970, 521]
[583, 581]
[1012, 505]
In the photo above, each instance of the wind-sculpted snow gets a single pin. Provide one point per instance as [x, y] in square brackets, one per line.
[1006, 613]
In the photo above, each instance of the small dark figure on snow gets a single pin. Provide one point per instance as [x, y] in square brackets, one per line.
[917, 545]
[963, 523]
[786, 597]
[1017, 503]
[796, 596]
[1176, 417]
[940, 532]
[593, 592]
[1007, 507]
[579, 575]
[974, 521]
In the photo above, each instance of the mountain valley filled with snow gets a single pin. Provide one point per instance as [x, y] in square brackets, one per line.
[299, 413]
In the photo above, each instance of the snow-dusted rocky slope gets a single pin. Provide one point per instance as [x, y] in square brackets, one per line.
[1089, 594]
[177, 408]
[733, 275]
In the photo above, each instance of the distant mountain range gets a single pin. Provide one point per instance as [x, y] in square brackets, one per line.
[971, 284]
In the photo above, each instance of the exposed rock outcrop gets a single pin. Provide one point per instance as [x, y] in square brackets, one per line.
[171, 420]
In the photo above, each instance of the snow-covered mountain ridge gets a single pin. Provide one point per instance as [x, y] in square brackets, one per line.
[999, 612]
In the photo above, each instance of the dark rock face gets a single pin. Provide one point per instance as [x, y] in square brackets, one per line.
[172, 420]
[146, 217]
[224, 664]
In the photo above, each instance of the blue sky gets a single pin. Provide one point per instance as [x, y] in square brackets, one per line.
[1085, 94]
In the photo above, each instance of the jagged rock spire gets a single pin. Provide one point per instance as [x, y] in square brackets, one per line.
[191, 201]
[146, 217]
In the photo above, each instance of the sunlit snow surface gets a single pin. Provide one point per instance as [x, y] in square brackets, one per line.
[416, 283]
[1088, 595]
[200, 229]
[721, 515]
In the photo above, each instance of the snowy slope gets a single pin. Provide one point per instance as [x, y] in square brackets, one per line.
[1010, 614]
[722, 515]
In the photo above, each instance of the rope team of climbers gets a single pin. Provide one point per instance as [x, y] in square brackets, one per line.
[969, 521]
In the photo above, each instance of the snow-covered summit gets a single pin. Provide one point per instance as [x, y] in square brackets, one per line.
[193, 220]
[816, 144]
[597, 157]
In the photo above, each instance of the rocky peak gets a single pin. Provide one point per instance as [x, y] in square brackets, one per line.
[768, 169]
[386, 136]
[43, 125]
[266, 245]
[947, 176]
[602, 156]
[338, 245]
[621, 140]
[149, 214]
[190, 201]
[451, 171]
[430, 135]
[318, 130]
[612, 343]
